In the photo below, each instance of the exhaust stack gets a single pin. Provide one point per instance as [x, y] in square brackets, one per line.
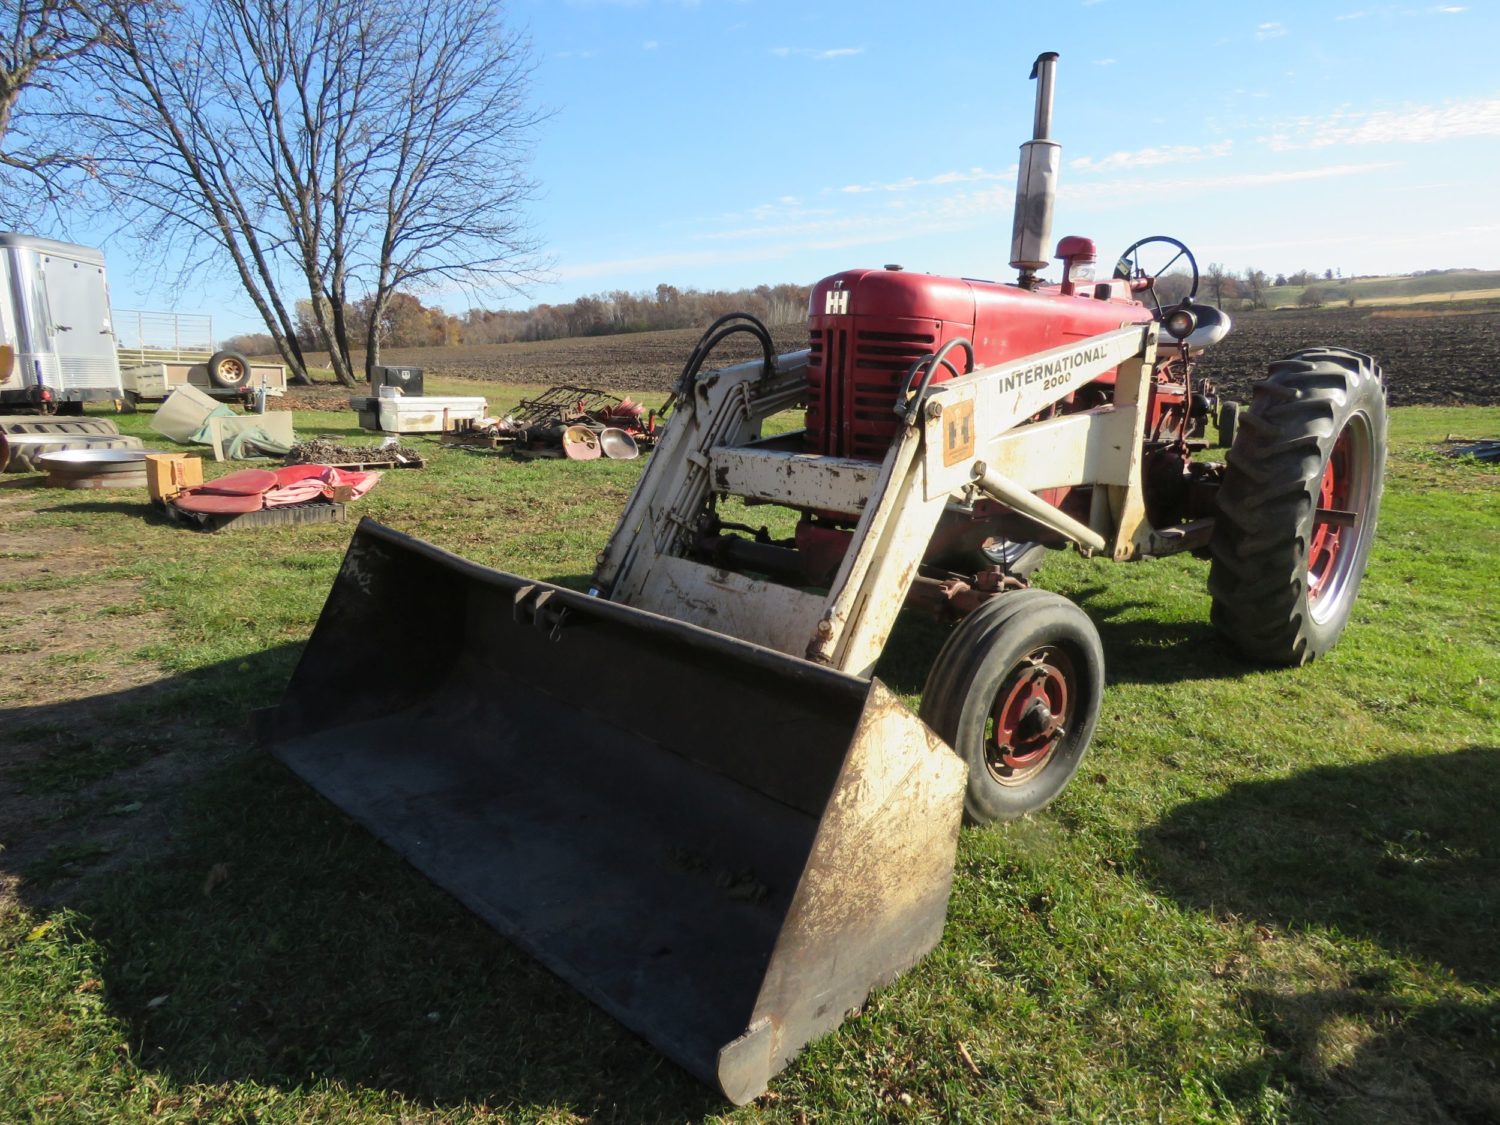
[1036, 185]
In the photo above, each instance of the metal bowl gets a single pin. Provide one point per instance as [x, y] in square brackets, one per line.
[100, 460]
[618, 445]
[96, 468]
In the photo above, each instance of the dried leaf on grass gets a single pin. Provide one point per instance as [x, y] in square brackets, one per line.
[217, 874]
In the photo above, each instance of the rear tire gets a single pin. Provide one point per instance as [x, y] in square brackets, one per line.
[1015, 691]
[1283, 580]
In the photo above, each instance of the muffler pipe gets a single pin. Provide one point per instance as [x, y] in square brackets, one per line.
[1036, 184]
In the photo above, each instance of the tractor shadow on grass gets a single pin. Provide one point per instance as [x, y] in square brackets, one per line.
[136, 509]
[1156, 651]
[1135, 651]
[1404, 853]
[261, 936]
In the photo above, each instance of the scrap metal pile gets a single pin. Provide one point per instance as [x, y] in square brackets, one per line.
[579, 423]
[327, 451]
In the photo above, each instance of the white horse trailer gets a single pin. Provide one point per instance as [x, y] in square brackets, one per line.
[54, 311]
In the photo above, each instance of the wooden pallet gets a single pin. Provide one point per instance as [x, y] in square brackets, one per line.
[469, 440]
[313, 511]
[367, 466]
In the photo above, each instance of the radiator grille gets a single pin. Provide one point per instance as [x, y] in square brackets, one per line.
[851, 405]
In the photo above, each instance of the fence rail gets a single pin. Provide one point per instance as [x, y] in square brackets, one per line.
[145, 336]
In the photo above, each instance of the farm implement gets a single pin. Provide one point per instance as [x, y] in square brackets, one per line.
[685, 791]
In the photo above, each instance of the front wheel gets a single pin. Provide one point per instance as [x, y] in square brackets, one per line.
[1015, 691]
[1298, 506]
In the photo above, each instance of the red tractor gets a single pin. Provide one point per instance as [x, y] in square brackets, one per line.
[685, 791]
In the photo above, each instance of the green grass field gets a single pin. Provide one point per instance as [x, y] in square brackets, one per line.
[1268, 895]
[1454, 286]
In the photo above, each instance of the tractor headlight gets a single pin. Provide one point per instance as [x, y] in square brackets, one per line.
[1080, 271]
[1180, 323]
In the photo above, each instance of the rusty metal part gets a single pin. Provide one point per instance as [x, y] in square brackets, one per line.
[769, 883]
[580, 443]
[954, 597]
[562, 403]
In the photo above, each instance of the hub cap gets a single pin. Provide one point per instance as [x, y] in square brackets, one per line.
[1030, 715]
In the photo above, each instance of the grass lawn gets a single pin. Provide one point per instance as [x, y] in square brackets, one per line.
[1268, 895]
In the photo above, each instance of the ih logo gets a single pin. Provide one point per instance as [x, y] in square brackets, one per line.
[836, 303]
[958, 433]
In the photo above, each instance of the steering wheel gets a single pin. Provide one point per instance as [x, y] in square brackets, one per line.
[1129, 267]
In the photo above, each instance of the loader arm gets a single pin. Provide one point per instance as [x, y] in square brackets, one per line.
[966, 436]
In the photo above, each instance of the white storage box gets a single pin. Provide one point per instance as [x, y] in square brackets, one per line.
[420, 414]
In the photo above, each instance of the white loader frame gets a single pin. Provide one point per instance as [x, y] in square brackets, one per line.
[965, 436]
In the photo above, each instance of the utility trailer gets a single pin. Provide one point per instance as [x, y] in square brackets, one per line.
[54, 314]
[161, 351]
[685, 791]
[155, 380]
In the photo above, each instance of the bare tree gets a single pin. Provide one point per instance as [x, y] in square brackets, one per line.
[354, 145]
[442, 187]
[1255, 287]
[1215, 275]
[40, 39]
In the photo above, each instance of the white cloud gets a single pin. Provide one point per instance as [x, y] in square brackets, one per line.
[811, 53]
[1270, 31]
[650, 45]
[1449, 10]
[973, 175]
[1479, 117]
[1151, 157]
[1129, 191]
[1105, 62]
[779, 231]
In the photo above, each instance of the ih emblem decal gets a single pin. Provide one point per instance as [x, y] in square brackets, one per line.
[836, 302]
[958, 432]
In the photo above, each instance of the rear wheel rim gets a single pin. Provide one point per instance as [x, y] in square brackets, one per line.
[1031, 715]
[1334, 560]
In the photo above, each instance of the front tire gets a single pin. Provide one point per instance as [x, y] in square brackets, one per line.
[1309, 453]
[1015, 691]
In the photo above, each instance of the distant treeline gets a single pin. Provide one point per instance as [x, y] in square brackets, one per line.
[407, 323]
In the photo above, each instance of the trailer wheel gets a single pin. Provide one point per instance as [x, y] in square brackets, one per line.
[1016, 690]
[1308, 458]
[228, 370]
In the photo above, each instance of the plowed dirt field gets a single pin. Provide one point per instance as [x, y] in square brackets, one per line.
[1439, 358]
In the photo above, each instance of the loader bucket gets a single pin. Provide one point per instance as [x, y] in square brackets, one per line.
[724, 847]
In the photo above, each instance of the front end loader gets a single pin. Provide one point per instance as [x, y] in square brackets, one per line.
[732, 870]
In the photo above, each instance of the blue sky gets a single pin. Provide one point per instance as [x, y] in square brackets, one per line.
[723, 143]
